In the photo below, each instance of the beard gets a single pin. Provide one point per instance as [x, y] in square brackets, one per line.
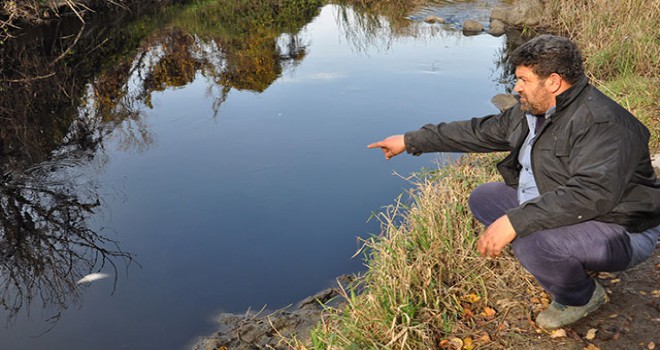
[534, 105]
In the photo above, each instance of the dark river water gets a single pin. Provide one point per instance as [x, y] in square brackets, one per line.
[207, 170]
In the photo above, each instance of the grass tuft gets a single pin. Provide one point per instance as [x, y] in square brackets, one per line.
[425, 283]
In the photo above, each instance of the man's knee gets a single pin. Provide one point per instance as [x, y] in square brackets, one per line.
[489, 201]
[539, 248]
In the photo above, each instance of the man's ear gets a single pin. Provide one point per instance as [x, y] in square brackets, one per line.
[554, 83]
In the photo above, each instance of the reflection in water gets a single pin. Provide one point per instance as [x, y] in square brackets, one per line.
[45, 243]
[66, 88]
[235, 44]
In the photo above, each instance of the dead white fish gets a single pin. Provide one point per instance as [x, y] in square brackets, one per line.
[93, 277]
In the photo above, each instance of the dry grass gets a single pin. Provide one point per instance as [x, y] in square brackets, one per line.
[426, 286]
[617, 37]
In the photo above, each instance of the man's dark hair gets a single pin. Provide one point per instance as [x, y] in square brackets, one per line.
[547, 54]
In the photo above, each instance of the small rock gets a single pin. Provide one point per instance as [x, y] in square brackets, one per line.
[496, 28]
[472, 26]
[434, 19]
[499, 13]
[524, 13]
[504, 101]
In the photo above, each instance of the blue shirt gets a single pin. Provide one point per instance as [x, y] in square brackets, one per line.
[527, 184]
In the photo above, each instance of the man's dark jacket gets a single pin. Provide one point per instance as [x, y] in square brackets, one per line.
[591, 161]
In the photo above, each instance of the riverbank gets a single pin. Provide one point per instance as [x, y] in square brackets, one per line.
[427, 288]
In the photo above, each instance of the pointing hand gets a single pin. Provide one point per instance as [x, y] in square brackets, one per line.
[391, 146]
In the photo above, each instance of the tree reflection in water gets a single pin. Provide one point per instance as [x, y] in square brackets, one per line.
[45, 242]
[67, 88]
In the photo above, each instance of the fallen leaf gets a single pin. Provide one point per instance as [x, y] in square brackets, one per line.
[502, 326]
[591, 334]
[651, 346]
[614, 281]
[558, 333]
[471, 298]
[444, 344]
[468, 344]
[545, 301]
[656, 293]
[657, 266]
[591, 347]
[488, 313]
[614, 315]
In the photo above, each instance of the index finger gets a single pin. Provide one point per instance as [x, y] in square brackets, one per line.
[378, 144]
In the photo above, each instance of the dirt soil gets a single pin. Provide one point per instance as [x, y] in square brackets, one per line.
[630, 320]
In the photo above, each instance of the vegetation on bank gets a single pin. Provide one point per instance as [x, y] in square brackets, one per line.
[426, 287]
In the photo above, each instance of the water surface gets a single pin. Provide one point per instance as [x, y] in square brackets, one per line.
[234, 170]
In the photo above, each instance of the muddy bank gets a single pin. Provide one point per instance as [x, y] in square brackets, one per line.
[271, 329]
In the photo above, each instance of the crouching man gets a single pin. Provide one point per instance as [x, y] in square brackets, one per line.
[579, 190]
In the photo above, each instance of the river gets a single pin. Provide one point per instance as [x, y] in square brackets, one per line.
[210, 164]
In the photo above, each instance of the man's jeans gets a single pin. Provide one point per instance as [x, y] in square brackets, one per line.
[558, 258]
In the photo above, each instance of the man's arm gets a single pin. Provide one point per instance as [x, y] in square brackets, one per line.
[486, 134]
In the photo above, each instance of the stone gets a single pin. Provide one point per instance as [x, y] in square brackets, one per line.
[434, 19]
[524, 13]
[504, 101]
[496, 28]
[472, 26]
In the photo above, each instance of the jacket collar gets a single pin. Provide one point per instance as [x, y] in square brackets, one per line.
[567, 97]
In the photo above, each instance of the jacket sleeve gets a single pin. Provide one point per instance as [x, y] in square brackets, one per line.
[486, 134]
[600, 161]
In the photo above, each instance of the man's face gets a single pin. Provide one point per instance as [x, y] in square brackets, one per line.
[535, 98]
